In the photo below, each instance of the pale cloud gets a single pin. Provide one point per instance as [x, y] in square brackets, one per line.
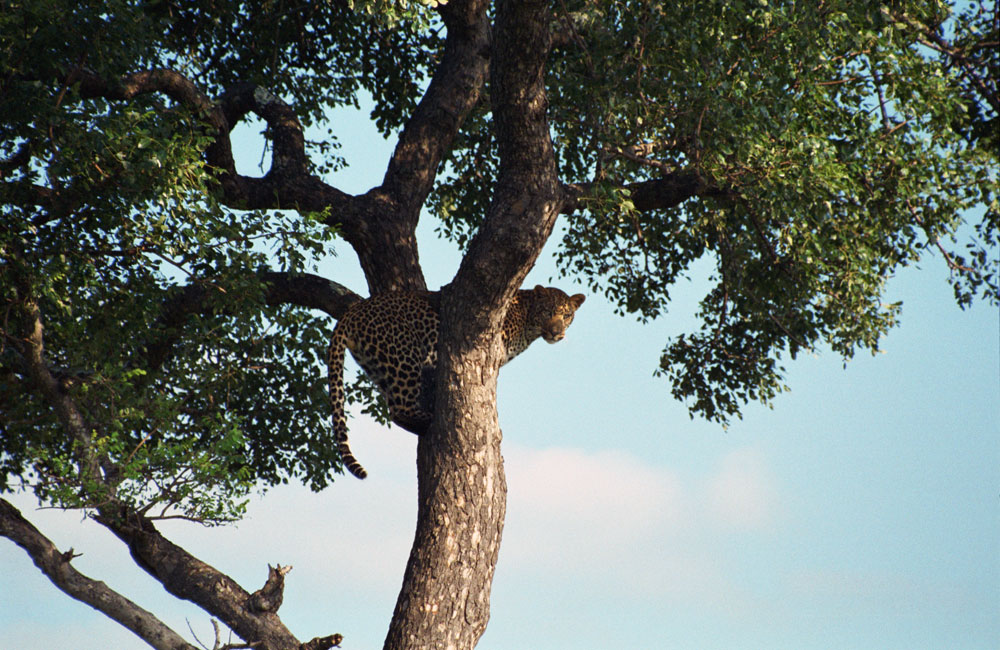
[599, 519]
[610, 499]
[743, 493]
[605, 488]
[626, 527]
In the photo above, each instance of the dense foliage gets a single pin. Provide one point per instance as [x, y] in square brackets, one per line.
[825, 144]
[162, 333]
[838, 141]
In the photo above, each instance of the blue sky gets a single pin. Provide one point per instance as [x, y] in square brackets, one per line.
[863, 511]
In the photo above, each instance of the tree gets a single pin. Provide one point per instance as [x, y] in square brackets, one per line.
[160, 335]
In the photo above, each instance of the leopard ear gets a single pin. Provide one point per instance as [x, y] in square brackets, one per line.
[538, 287]
[578, 299]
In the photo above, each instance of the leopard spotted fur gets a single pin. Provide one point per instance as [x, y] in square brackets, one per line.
[393, 337]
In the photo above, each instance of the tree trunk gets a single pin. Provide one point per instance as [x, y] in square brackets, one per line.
[444, 602]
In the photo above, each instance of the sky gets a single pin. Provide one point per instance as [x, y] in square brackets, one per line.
[862, 511]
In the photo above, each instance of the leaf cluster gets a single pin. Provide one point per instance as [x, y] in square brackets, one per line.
[192, 389]
[834, 146]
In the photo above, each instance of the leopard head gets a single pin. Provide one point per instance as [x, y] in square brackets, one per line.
[553, 310]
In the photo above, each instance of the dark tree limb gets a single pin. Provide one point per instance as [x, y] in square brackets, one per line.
[188, 578]
[302, 289]
[170, 82]
[308, 290]
[461, 484]
[379, 224]
[454, 89]
[269, 597]
[383, 230]
[56, 566]
[288, 184]
[665, 192]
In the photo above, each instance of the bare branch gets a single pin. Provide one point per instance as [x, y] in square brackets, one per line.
[454, 89]
[269, 597]
[56, 566]
[187, 577]
[323, 643]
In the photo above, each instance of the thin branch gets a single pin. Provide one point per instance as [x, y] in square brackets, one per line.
[930, 38]
[886, 124]
[566, 19]
[56, 566]
[641, 159]
[953, 266]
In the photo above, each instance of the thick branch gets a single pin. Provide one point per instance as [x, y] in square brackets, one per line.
[286, 185]
[305, 290]
[187, 577]
[170, 82]
[308, 290]
[527, 197]
[98, 595]
[381, 224]
[657, 194]
[453, 92]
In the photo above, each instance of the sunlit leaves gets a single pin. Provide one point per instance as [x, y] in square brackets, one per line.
[833, 143]
[111, 212]
[837, 145]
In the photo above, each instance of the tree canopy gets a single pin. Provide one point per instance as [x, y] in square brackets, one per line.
[163, 324]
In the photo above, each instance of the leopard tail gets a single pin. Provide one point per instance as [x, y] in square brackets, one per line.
[335, 377]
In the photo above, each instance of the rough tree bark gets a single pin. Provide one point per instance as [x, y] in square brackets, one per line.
[444, 602]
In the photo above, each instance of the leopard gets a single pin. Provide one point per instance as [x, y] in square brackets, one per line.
[393, 336]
